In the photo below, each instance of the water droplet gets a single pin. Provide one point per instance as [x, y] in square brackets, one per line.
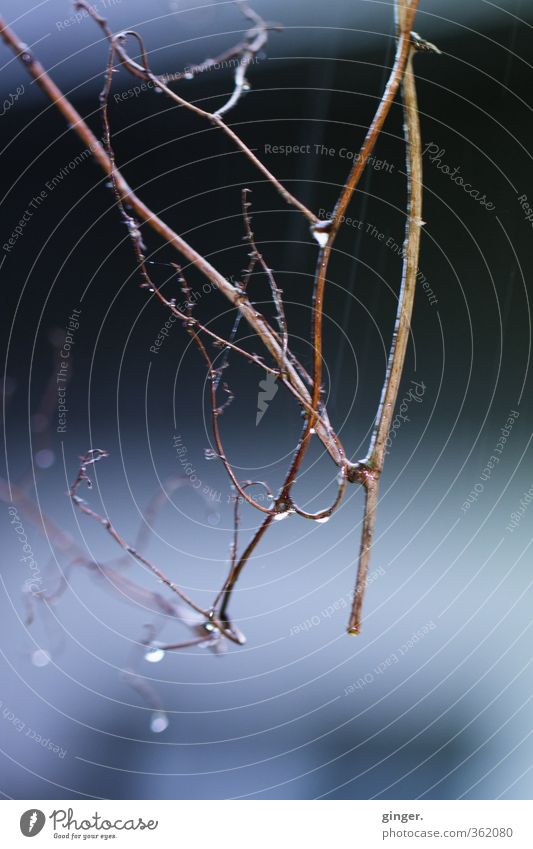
[45, 458]
[188, 75]
[158, 722]
[40, 658]
[312, 430]
[208, 626]
[283, 515]
[213, 518]
[246, 86]
[210, 454]
[154, 655]
[323, 520]
[321, 238]
[320, 231]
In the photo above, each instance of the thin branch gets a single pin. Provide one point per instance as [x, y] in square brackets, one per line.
[93, 456]
[256, 38]
[143, 72]
[257, 256]
[374, 463]
[288, 370]
[371, 488]
[226, 591]
[325, 232]
[215, 410]
[254, 319]
[235, 538]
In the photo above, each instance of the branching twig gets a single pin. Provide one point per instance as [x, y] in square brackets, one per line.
[206, 269]
[306, 389]
[257, 257]
[256, 38]
[143, 72]
[93, 456]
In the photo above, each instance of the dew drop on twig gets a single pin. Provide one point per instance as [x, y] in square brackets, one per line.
[283, 515]
[323, 520]
[321, 238]
[154, 655]
[158, 722]
[320, 231]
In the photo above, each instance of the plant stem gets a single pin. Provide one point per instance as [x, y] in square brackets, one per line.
[254, 319]
[389, 395]
[331, 228]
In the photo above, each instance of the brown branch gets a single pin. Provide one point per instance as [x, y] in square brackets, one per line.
[325, 232]
[373, 466]
[143, 72]
[288, 369]
[215, 410]
[226, 591]
[93, 456]
[254, 319]
[256, 38]
[257, 256]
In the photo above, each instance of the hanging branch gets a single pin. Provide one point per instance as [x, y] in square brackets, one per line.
[292, 378]
[246, 52]
[372, 467]
[255, 40]
[306, 389]
[143, 72]
[246, 274]
[92, 457]
[325, 233]
[257, 257]
[216, 410]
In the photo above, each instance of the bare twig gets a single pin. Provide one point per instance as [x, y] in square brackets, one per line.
[306, 389]
[143, 72]
[216, 410]
[257, 257]
[256, 38]
[373, 465]
[325, 232]
[256, 321]
[93, 456]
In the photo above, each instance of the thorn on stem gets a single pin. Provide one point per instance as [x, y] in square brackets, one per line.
[423, 45]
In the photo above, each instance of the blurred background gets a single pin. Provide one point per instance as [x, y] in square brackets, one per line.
[432, 700]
